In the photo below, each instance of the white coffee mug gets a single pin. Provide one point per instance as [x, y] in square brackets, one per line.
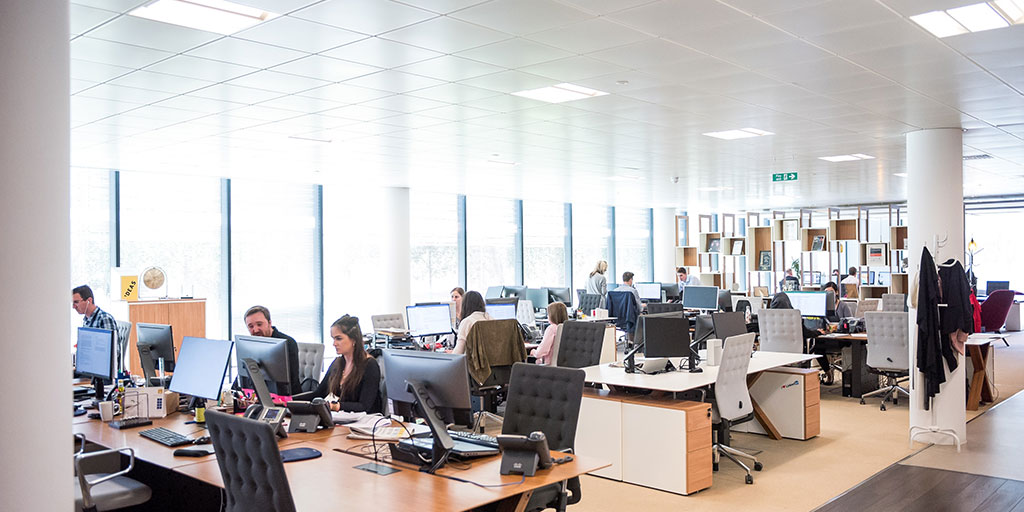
[106, 410]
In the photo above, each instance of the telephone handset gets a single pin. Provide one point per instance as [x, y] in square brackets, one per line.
[273, 416]
[308, 416]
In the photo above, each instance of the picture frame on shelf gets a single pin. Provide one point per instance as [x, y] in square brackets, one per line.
[737, 248]
[818, 243]
[790, 229]
[715, 245]
[875, 255]
[764, 261]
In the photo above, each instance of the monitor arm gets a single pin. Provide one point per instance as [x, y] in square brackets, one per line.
[258, 382]
[629, 362]
[443, 444]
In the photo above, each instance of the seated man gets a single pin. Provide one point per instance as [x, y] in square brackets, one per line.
[685, 279]
[257, 320]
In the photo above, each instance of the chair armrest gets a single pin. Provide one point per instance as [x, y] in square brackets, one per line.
[86, 485]
[81, 445]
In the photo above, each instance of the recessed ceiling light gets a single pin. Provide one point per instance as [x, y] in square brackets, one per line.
[560, 93]
[1012, 10]
[978, 17]
[846, 158]
[217, 16]
[900, 174]
[939, 24]
[742, 133]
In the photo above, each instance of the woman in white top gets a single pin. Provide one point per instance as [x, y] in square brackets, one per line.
[473, 310]
[557, 315]
[598, 283]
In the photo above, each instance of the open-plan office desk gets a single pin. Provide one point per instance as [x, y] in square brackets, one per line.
[857, 379]
[657, 441]
[332, 480]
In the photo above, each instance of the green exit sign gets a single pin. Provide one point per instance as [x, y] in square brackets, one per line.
[784, 176]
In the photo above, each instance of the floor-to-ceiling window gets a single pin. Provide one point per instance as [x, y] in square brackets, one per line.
[633, 243]
[434, 260]
[90, 238]
[491, 229]
[591, 240]
[544, 243]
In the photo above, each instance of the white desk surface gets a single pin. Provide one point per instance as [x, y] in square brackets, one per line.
[983, 338]
[684, 380]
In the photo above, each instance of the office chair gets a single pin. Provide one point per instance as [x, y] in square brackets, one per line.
[654, 308]
[781, 330]
[995, 309]
[731, 402]
[124, 331]
[589, 301]
[888, 352]
[850, 291]
[865, 305]
[546, 399]
[311, 363]
[96, 491]
[492, 347]
[579, 344]
[724, 300]
[622, 306]
[894, 302]
[250, 464]
[392, 321]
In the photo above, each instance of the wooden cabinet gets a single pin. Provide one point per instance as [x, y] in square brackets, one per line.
[187, 317]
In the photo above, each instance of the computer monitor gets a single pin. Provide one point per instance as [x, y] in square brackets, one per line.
[94, 356]
[649, 291]
[493, 292]
[202, 364]
[991, 286]
[432, 381]
[666, 337]
[729, 324]
[703, 329]
[502, 311]
[871, 277]
[538, 296]
[429, 319]
[560, 294]
[883, 278]
[155, 342]
[671, 290]
[809, 303]
[700, 297]
[724, 300]
[270, 357]
[514, 291]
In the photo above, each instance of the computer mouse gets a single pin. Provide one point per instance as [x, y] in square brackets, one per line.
[201, 440]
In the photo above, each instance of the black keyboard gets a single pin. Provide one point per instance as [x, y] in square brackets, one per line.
[472, 437]
[165, 437]
[130, 423]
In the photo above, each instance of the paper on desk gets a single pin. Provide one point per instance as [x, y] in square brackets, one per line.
[359, 419]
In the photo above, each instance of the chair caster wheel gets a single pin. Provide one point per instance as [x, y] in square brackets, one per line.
[758, 466]
[883, 407]
[750, 479]
[862, 402]
[714, 466]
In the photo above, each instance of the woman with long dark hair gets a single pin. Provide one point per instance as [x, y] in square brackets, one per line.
[474, 309]
[353, 380]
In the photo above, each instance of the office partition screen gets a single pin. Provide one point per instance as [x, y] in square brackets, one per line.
[491, 230]
[544, 243]
[433, 233]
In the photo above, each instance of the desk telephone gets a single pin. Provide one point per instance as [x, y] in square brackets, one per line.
[309, 416]
[273, 416]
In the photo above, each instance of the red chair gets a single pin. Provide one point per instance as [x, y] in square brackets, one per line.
[995, 309]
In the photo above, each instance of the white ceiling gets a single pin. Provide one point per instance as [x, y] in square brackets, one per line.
[417, 93]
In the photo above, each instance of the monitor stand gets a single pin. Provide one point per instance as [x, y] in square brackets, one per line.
[149, 371]
[258, 382]
[443, 444]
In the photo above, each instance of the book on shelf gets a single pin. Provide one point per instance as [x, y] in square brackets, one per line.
[789, 229]
[764, 259]
[737, 247]
[818, 243]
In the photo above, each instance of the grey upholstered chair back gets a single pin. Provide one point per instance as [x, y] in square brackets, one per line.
[893, 302]
[865, 305]
[250, 464]
[654, 308]
[547, 399]
[579, 344]
[590, 301]
[390, 321]
[525, 312]
[311, 361]
[846, 309]
[781, 330]
[888, 340]
[732, 400]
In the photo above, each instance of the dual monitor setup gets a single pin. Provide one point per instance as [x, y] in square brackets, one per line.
[438, 318]
[667, 336]
[540, 297]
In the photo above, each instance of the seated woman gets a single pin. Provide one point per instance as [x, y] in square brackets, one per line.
[473, 310]
[557, 314]
[353, 380]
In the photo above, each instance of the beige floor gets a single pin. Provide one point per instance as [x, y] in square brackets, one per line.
[856, 442]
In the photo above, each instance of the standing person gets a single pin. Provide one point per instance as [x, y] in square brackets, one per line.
[353, 379]
[457, 294]
[474, 309]
[557, 315]
[257, 320]
[598, 283]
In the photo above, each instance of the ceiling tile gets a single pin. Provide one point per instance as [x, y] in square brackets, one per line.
[379, 52]
[831, 16]
[160, 82]
[450, 68]
[404, 103]
[277, 6]
[203, 69]
[118, 54]
[299, 34]
[95, 71]
[345, 93]
[125, 94]
[606, 6]
[666, 18]
[509, 82]
[246, 53]
[446, 35]
[198, 104]
[454, 93]
[521, 17]
[237, 94]
[83, 18]
[111, 5]
[278, 82]
[370, 17]
[766, 7]
[326, 68]
[152, 34]
[515, 53]
[574, 68]
[648, 52]
[442, 6]
[300, 104]
[589, 36]
[393, 81]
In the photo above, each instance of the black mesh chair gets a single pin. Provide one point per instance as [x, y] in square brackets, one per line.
[546, 398]
[250, 464]
[579, 344]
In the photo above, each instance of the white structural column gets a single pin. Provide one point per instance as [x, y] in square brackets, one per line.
[664, 231]
[35, 268]
[935, 207]
[395, 248]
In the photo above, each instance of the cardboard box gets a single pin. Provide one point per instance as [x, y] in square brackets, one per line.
[149, 402]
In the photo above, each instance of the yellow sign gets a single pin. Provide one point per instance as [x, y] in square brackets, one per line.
[130, 288]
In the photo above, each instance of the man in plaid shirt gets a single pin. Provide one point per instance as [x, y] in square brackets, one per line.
[84, 303]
